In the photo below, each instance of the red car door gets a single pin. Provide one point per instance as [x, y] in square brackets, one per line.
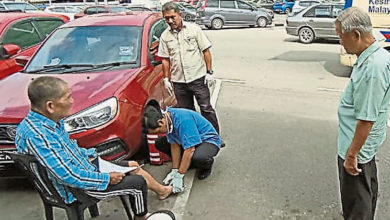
[154, 35]
[27, 34]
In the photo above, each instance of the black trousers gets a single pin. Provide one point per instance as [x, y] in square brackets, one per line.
[203, 157]
[133, 185]
[359, 193]
[185, 93]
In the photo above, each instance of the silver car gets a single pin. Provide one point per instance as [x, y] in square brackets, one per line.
[268, 11]
[300, 5]
[218, 13]
[188, 12]
[317, 21]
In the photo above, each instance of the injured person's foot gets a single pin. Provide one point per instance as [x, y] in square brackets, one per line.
[165, 193]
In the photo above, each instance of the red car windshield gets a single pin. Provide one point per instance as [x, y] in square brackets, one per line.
[81, 47]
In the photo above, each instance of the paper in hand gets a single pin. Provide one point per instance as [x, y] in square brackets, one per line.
[108, 167]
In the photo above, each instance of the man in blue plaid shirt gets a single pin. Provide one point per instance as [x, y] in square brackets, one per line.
[43, 135]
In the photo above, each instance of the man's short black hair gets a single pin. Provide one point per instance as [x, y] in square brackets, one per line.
[151, 116]
[43, 89]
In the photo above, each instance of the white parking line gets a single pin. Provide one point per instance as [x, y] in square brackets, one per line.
[215, 94]
[182, 198]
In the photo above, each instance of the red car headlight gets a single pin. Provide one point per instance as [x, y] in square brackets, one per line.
[93, 116]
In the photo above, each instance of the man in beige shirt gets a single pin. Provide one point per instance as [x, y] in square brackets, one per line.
[187, 63]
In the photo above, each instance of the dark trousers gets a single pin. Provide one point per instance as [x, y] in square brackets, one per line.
[359, 193]
[132, 185]
[185, 93]
[203, 157]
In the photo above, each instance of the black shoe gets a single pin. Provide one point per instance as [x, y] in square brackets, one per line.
[222, 143]
[203, 173]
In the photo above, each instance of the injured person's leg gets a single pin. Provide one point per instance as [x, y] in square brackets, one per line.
[162, 191]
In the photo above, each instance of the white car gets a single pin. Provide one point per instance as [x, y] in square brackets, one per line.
[67, 10]
[302, 4]
[21, 6]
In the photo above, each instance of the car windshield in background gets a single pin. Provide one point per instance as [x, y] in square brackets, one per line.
[21, 6]
[73, 10]
[119, 9]
[87, 47]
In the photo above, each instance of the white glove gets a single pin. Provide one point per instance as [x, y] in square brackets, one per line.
[209, 79]
[177, 183]
[168, 85]
[170, 177]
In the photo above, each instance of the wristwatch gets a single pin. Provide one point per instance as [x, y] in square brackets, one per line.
[210, 72]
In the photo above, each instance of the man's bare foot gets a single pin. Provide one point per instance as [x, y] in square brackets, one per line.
[167, 191]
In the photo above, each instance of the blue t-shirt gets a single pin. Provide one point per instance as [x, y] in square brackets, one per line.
[190, 129]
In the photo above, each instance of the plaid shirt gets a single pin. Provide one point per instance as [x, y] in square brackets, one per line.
[66, 163]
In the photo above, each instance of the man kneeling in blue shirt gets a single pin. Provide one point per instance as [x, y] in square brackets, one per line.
[42, 134]
[192, 138]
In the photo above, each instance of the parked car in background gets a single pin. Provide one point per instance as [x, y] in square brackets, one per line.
[317, 21]
[22, 6]
[42, 6]
[302, 4]
[90, 10]
[270, 12]
[110, 63]
[188, 12]
[265, 3]
[154, 5]
[137, 8]
[218, 13]
[283, 6]
[67, 10]
[20, 35]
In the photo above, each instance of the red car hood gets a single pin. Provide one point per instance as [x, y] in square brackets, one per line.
[87, 89]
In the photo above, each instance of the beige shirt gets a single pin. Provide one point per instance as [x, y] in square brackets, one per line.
[184, 50]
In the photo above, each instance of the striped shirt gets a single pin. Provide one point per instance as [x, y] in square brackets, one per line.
[66, 163]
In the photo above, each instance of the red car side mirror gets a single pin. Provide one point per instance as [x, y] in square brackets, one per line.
[10, 49]
[22, 60]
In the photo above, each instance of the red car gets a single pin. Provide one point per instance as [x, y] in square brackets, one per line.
[98, 9]
[20, 35]
[110, 63]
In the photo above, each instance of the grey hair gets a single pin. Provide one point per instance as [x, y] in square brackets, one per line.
[354, 19]
[43, 89]
[170, 6]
